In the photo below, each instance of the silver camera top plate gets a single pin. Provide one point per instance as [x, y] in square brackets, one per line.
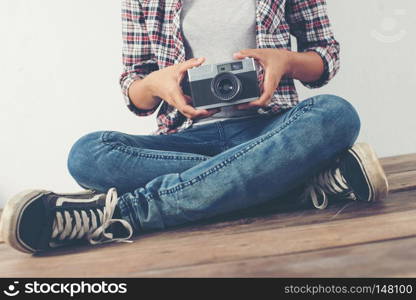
[210, 71]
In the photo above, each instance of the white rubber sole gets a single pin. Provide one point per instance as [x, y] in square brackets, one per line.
[10, 218]
[372, 169]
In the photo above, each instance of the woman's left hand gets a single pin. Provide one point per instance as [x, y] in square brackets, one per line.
[275, 63]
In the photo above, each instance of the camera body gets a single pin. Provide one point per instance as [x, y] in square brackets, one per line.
[223, 84]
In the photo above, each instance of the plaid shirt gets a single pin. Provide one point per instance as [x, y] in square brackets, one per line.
[152, 40]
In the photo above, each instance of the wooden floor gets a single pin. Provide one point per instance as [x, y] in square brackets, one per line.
[348, 239]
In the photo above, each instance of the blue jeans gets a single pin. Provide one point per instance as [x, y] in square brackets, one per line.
[212, 169]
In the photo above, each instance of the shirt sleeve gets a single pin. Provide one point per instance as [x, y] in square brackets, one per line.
[138, 60]
[309, 23]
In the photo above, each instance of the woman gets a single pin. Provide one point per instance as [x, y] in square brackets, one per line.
[202, 163]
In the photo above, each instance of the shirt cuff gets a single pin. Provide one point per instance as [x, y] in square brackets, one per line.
[125, 89]
[331, 65]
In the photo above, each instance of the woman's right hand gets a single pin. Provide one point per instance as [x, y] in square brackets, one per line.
[165, 84]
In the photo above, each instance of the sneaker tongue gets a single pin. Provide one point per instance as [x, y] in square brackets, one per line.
[91, 202]
[54, 203]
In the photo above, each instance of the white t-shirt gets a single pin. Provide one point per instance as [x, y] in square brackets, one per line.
[216, 29]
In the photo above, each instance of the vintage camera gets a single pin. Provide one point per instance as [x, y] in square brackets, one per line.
[224, 84]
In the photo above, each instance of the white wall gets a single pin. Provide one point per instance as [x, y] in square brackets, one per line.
[60, 62]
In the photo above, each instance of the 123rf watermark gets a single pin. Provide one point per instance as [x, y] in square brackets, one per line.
[389, 30]
[375, 289]
[63, 288]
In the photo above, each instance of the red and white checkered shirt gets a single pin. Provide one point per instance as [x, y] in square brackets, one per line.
[152, 40]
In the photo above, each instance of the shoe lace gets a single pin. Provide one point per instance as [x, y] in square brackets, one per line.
[328, 182]
[93, 228]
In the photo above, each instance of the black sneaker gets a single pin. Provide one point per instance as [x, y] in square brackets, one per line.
[357, 175]
[38, 220]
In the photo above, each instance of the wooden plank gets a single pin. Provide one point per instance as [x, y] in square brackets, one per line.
[394, 258]
[399, 164]
[276, 215]
[402, 181]
[161, 251]
[400, 171]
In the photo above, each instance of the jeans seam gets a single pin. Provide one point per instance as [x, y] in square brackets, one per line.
[221, 134]
[249, 147]
[129, 150]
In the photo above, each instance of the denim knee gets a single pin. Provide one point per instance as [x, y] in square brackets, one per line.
[341, 116]
[80, 162]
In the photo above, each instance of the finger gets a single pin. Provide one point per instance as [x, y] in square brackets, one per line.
[191, 63]
[179, 99]
[254, 53]
[214, 110]
[206, 112]
[210, 113]
[193, 113]
[181, 103]
[254, 104]
[245, 106]
[270, 84]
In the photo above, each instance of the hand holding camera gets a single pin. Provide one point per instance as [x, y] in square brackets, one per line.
[165, 84]
[276, 64]
[235, 82]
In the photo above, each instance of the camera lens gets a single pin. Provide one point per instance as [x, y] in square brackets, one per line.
[226, 86]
